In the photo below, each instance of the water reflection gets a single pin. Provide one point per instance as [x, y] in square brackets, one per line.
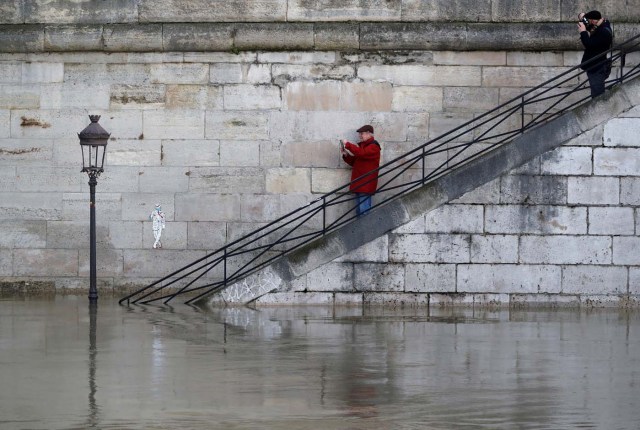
[308, 368]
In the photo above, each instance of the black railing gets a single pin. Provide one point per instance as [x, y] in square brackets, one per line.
[403, 174]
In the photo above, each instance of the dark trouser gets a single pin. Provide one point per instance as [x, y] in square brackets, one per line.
[596, 77]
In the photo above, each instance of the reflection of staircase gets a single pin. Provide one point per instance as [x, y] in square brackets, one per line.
[431, 175]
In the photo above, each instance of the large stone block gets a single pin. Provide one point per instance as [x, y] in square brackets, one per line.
[455, 219]
[586, 280]
[207, 207]
[23, 234]
[470, 58]
[429, 248]
[42, 73]
[430, 278]
[535, 59]
[622, 132]
[283, 73]
[462, 76]
[30, 206]
[137, 96]
[273, 36]
[185, 73]
[305, 96]
[206, 235]
[64, 96]
[252, 97]
[331, 277]
[145, 152]
[446, 10]
[565, 250]
[41, 179]
[378, 277]
[174, 236]
[630, 191]
[108, 263]
[494, 249]
[138, 206]
[521, 76]
[611, 221]
[511, 219]
[125, 234]
[212, 11]
[175, 124]
[616, 161]
[164, 179]
[295, 298]
[396, 300]
[69, 38]
[26, 152]
[194, 97]
[223, 180]
[417, 99]
[239, 153]
[336, 36]
[81, 12]
[593, 190]
[540, 190]
[18, 96]
[347, 10]
[75, 206]
[116, 179]
[626, 251]
[21, 38]
[74, 234]
[327, 180]
[6, 262]
[7, 178]
[132, 37]
[418, 36]
[524, 11]
[469, 99]
[190, 153]
[260, 208]
[508, 278]
[11, 12]
[45, 262]
[310, 153]
[484, 194]
[376, 251]
[288, 180]
[567, 160]
[237, 125]
[154, 263]
[197, 37]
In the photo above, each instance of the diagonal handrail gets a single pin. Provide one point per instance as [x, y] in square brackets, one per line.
[403, 174]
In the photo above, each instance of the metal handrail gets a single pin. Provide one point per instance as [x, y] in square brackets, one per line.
[403, 174]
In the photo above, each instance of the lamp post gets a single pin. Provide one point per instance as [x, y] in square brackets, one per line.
[93, 142]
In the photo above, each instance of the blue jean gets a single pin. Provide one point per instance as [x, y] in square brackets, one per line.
[363, 203]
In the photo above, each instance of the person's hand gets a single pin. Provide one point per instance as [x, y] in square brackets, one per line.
[581, 27]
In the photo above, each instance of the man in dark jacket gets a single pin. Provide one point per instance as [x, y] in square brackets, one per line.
[596, 36]
[363, 157]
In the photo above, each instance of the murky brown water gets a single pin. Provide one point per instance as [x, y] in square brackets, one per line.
[314, 368]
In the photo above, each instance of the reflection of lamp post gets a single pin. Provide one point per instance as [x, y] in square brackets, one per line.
[93, 142]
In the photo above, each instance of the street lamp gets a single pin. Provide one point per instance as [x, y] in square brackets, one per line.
[93, 142]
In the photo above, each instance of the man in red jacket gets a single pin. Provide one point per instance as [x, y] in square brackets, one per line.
[363, 157]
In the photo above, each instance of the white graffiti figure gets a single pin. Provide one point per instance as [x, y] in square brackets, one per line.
[157, 216]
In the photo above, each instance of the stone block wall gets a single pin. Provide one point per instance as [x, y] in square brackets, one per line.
[559, 231]
[229, 113]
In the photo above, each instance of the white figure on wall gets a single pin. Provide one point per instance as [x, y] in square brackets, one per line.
[157, 216]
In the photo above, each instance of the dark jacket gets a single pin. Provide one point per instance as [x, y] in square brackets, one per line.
[365, 158]
[596, 43]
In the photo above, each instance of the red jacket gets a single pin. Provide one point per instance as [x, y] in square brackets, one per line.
[365, 158]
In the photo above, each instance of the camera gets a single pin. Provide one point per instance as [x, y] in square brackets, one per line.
[586, 23]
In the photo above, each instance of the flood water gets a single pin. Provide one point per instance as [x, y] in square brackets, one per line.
[65, 367]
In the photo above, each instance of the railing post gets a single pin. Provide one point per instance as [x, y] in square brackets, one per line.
[423, 165]
[224, 265]
[324, 215]
[522, 115]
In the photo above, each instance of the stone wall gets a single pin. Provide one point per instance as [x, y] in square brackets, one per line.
[228, 113]
[559, 231]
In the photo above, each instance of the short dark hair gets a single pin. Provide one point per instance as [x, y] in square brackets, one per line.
[594, 14]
